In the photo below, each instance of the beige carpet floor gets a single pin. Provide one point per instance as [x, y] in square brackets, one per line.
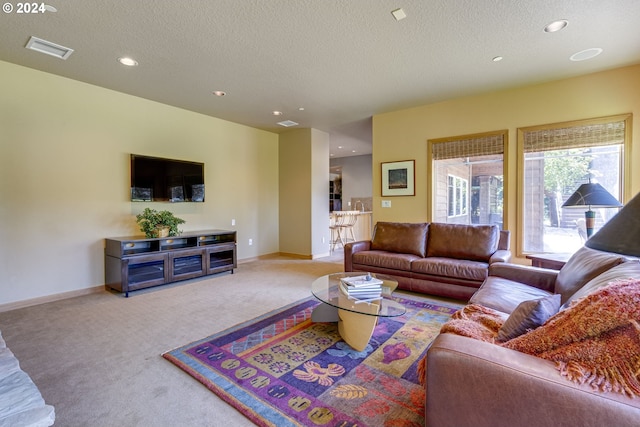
[96, 358]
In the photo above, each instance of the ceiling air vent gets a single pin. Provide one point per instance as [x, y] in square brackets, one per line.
[48, 48]
[288, 123]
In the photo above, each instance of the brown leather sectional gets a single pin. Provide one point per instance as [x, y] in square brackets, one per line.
[475, 383]
[450, 260]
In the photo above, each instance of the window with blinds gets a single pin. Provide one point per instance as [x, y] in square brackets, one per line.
[556, 160]
[467, 184]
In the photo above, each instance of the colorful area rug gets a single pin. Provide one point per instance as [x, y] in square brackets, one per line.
[281, 369]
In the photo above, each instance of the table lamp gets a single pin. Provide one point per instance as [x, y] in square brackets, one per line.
[621, 234]
[592, 195]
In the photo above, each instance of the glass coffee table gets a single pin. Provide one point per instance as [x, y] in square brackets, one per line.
[356, 319]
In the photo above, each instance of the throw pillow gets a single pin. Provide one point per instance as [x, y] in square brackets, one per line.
[596, 341]
[529, 315]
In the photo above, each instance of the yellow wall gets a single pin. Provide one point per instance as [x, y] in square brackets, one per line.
[64, 178]
[403, 135]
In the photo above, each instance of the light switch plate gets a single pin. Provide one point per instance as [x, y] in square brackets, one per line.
[386, 203]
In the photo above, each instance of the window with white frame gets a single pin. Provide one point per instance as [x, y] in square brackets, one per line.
[467, 178]
[457, 195]
[557, 159]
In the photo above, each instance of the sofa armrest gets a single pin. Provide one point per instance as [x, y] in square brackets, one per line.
[542, 278]
[501, 255]
[351, 248]
[474, 383]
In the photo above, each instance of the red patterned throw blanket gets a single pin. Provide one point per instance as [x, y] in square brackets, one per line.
[596, 341]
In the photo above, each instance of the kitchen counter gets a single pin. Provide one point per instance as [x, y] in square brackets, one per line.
[362, 229]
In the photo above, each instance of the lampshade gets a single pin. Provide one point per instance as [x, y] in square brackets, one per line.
[593, 195]
[621, 234]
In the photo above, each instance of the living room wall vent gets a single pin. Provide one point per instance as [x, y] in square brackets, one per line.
[48, 48]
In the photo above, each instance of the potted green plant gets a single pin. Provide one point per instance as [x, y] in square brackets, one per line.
[155, 223]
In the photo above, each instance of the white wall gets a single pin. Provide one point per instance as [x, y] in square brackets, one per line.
[356, 177]
[64, 178]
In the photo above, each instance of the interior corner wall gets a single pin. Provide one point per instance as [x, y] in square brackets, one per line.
[320, 152]
[304, 192]
[295, 157]
[64, 178]
[402, 135]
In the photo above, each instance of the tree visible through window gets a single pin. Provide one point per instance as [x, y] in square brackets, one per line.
[557, 160]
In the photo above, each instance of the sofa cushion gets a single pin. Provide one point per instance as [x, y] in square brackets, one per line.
[594, 342]
[529, 315]
[472, 242]
[384, 259]
[505, 295]
[447, 267]
[627, 270]
[583, 266]
[404, 238]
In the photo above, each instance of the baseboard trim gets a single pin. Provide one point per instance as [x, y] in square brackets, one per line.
[275, 255]
[297, 256]
[50, 298]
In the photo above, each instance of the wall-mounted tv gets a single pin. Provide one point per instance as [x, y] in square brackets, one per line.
[154, 179]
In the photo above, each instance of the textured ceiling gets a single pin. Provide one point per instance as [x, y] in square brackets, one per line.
[341, 60]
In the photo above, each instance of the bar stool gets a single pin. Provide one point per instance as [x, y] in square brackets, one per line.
[349, 219]
[335, 225]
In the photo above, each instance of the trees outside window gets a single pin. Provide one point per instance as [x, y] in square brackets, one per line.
[556, 160]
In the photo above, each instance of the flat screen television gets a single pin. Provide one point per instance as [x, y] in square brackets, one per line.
[154, 179]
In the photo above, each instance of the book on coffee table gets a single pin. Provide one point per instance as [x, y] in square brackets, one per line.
[367, 293]
[361, 281]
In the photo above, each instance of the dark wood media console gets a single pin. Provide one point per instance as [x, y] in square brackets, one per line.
[133, 263]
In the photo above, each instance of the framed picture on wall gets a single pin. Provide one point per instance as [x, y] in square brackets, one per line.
[398, 178]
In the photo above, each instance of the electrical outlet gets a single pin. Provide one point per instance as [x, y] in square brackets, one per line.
[233, 222]
[386, 203]
[250, 242]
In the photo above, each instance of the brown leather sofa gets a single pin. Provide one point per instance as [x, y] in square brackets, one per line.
[449, 260]
[470, 382]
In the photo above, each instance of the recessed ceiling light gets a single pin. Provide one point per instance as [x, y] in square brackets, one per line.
[301, 109]
[556, 26]
[129, 62]
[497, 58]
[219, 93]
[399, 14]
[583, 55]
[277, 113]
